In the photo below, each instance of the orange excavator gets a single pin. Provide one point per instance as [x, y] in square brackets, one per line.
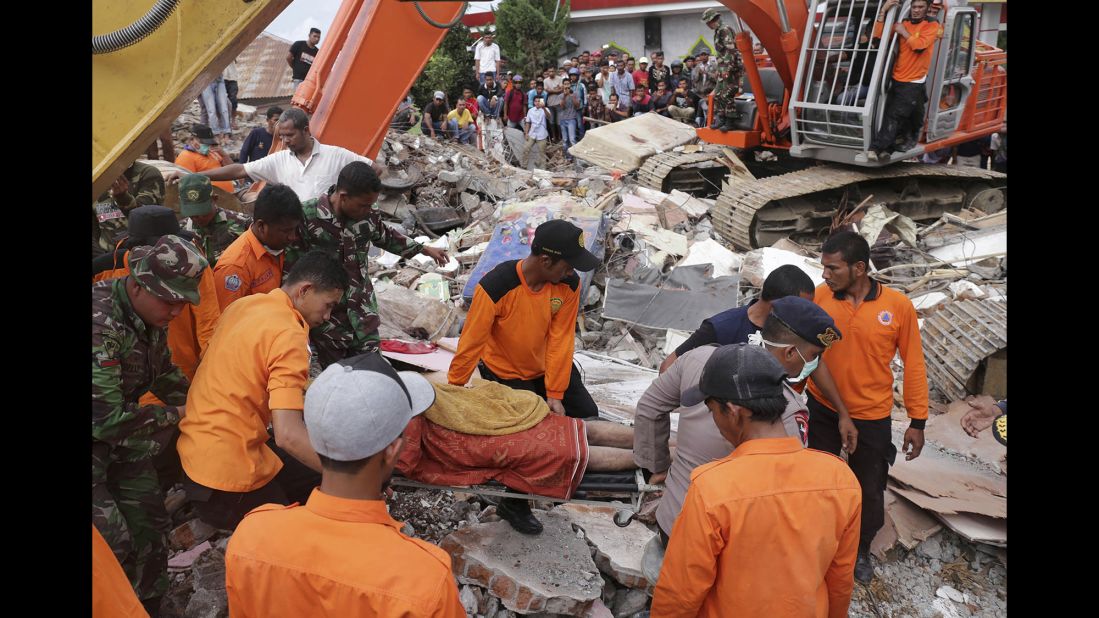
[802, 107]
[816, 104]
[149, 66]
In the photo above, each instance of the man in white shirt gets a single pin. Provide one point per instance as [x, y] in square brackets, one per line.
[536, 125]
[486, 57]
[307, 166]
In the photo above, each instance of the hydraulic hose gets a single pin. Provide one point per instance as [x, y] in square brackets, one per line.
[438, 24]
[125, 37]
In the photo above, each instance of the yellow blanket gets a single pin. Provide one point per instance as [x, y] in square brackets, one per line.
[487, 409]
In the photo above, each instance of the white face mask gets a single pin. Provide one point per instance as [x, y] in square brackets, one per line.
[808, 367]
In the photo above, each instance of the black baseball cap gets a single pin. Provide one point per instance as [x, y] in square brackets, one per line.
[560, 238]
[203, 133]
[740, 373]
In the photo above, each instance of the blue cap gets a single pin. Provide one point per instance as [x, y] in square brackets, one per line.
[807, 320]
[574, 71]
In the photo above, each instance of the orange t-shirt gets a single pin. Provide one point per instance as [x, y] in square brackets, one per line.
[519, 333]
[246, 267]
[884, 323]
[914, 57]
[112, 595]
[337, 557]
[771, 530]
[258, 361]
[196, 162]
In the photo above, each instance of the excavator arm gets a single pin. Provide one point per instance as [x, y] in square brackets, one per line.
[138, 90]
[148, 64]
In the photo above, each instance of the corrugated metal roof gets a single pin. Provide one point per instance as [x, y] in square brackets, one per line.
[263, 71]
[957, 337]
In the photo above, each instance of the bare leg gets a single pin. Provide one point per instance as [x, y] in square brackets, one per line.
[606, 433]
[609, 459]
[610, 446]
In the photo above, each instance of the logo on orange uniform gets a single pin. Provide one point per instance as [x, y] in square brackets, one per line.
[885, 318]
[555, 305]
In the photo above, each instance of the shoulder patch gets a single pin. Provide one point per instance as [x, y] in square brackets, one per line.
[500, 280]
[232, 283]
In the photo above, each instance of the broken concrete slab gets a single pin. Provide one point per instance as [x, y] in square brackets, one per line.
[945, 430]
[973, 246]
[905, 523]
[549, 572]
[944, 484]
[710, 251]
[450, 176]
[625, 145]
[208, 604]
[406, 311]
[629, 602]
[615, 385]
[617, 551]
[759, 263]
[977, 528]
[245, 112]
[692, 206]
[208, 570]
[598, 610]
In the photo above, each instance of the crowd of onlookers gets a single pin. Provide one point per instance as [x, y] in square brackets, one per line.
[586, 91]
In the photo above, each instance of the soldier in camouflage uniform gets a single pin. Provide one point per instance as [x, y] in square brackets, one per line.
[214, 228]
[730, 69]
[139, 185]
[343, 222]
[129, 357]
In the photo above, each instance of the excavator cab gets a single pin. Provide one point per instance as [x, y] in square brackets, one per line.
[844, 78]
[842, 81]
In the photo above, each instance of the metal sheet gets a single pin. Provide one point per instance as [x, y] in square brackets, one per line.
[681, 301]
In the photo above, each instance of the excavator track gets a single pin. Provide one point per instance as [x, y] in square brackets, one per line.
[751, 214]
[698, 172]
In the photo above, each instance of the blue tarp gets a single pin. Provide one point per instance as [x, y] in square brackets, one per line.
[513, 232]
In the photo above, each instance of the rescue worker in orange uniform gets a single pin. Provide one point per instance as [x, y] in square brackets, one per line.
[770, 530]
[340, 553]
[876, 323]
[112, 595]
[253, 264]
[905, 105]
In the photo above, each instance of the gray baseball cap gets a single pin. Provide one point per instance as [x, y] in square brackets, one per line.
[357, 406]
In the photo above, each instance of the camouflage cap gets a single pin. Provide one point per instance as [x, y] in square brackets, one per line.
[169, 270]
[710, 15]
[194, 195]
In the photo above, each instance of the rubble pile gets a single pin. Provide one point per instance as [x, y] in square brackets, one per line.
[943, 549]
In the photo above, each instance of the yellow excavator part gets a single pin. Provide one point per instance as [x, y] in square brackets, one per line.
[138, 91]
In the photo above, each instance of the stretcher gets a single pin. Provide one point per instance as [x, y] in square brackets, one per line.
[626, 490]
